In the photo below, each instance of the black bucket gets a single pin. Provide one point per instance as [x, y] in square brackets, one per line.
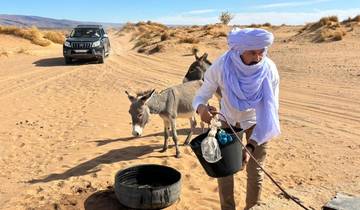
[231, 153]
[148, 186]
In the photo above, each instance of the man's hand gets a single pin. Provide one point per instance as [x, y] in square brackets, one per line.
[245, 160]
[206, 112]
[246, 156]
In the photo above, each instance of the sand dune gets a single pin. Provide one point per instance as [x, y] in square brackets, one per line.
[65, 130]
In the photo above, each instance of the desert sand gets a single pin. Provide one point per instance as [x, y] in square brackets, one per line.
[65, 129]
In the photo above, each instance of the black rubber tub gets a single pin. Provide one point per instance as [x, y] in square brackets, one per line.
[148, 186]
[231, 153]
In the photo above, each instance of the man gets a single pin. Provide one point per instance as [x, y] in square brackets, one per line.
[249, 83]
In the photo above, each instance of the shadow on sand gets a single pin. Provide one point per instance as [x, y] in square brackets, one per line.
[104, 200]
[116, 155]
[183, 131]
[60, 61]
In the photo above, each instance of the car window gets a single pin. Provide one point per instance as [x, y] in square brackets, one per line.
[85, 32]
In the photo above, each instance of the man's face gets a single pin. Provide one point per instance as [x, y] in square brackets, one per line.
[251, 57]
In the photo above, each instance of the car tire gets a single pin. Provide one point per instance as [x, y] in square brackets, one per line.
[68, 60]
[108, 51]
[102, 57]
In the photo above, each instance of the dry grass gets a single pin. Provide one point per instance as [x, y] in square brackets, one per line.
[158, 48]
[4, 54]
[267, 24]
[328, 20]
[215, 30]
[255, 25]
[55, 36]
[260, 25]
[141, 50]
[326, 29]
[145, 33]
[220, 34]
[338, 35]
[23, 51]
[165, 36]
[142, 43]
[356, 18]
[149, 37]
[173, 34]
[128, 27]
[33, 34]
[190, 40]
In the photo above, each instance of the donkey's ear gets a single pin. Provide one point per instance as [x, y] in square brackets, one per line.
[131, 97]
[203, 57]
[195, 52]
[145, 98]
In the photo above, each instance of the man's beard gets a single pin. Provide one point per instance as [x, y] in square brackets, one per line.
[253, 63]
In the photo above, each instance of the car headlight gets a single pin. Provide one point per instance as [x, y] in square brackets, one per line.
[67, 44]
[96, 44]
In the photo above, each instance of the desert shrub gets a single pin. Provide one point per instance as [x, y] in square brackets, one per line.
[23, 51]
[226, 17]
[142, 42]
[190, 40]
[141, 50]
[55, 37]
[4, 53]
[255, 25]
[33, 34]
[267, 24]
[157, 48]
[337, 36]
[165, 36]
[356, 18]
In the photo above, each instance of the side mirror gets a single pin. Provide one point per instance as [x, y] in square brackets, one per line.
[106, 36]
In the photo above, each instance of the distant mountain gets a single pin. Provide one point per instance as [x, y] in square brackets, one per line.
[42, 22]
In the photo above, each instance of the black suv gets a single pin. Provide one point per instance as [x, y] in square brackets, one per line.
[86, 41]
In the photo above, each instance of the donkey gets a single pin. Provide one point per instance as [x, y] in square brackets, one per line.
[197, 68]
[197, 71]
[169, 104]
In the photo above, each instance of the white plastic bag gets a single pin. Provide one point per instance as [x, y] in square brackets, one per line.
[209, 146]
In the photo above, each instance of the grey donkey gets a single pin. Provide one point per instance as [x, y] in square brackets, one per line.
[169, 104]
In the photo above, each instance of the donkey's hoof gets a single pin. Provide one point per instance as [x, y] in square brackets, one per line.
[178, 155]
[186, 144]
[163, 150]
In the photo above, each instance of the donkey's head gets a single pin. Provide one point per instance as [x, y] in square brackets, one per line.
[139, 111]
[197, 68]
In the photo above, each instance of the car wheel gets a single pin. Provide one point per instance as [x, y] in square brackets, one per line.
[68, 60]
[101, 59]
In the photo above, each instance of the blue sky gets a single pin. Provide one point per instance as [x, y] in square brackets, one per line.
[185, 11]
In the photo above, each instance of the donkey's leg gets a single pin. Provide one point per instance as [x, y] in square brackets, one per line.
[192, 129]
[175, 138]
[166, 135]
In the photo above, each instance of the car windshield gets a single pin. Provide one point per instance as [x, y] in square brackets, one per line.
[85, 32]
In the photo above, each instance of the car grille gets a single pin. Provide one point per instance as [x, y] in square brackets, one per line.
[81, 45]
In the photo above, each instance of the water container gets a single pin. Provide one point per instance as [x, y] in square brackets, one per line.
[231, 153]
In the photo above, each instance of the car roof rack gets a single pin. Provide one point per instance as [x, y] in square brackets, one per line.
[89, 26]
